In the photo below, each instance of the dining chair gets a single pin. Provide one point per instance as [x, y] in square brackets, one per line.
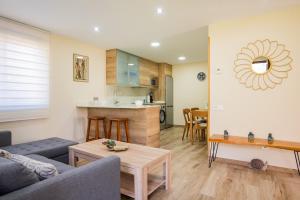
[194, 108]
[198, 125]
[187, 119]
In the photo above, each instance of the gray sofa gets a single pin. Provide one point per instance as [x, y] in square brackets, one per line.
[99, 180]
[53, 148]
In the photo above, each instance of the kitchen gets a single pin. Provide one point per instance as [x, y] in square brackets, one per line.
[140, 90]
[151, 94]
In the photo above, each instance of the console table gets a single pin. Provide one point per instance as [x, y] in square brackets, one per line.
[279, 144]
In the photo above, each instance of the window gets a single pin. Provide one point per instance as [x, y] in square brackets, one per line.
[24, 72]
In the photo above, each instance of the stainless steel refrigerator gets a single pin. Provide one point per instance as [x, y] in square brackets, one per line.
[169, 101]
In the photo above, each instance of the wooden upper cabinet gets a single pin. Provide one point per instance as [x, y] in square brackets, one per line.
[148, 71]
[125, 69]
[111, 67]
[168, 69]
[122, 68]
[164, 70]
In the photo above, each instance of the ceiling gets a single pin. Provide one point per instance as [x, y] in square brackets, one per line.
[131, 25]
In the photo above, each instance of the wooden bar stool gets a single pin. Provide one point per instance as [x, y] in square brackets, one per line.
[194, 108]
[118, 122]
[97, 120]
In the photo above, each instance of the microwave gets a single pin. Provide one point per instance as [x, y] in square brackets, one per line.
[154, 81]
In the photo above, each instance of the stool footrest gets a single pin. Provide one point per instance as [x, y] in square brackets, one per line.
[96, 118]
[118, 119]
[118, 122]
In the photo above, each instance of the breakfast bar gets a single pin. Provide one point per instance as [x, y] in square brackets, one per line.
[144, 126]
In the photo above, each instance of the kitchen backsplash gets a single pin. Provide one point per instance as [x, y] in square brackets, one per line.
[125, 95]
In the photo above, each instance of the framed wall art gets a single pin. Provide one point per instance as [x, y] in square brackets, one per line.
[80, 68]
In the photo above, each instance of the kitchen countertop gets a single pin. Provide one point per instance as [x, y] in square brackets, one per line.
[117, 106]
[155, 103]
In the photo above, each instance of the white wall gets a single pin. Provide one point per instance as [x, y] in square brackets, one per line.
[65, 120]
[127, 91]
[188, 91]
[275, 110]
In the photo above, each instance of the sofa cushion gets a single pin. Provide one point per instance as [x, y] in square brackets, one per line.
[5, 154]
[61, 167]
[49, 148]
[5, 138]
[14, 176]
[63, 158]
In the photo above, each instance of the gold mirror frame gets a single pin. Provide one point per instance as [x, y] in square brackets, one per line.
[280, 64]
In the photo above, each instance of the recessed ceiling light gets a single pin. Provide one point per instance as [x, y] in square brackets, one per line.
[181, 58]
[130, 64]
[96, 29]
[159, 11]
[155, 44]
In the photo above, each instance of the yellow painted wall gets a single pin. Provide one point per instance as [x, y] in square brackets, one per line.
[188, 91]
[275, 110]
[65, 120]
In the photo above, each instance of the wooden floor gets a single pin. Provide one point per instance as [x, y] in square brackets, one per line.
[193, 180]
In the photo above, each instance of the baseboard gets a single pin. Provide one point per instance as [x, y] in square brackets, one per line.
[246, 164]
[175, 125]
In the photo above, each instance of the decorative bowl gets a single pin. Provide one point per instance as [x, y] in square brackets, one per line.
[112, 146]
[138, 102]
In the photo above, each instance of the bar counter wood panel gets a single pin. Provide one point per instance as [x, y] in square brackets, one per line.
[144, 127]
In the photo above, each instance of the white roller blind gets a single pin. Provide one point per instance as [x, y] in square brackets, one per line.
[24, 72]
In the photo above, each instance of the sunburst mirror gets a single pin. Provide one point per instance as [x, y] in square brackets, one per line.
[263, 64]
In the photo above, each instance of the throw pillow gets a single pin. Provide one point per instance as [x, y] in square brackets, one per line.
[14, 176]
[5, 154]
[43, 170]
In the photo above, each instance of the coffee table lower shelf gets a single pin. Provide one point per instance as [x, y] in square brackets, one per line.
[127, 184]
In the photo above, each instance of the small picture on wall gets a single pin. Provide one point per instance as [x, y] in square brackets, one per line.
[80, 68]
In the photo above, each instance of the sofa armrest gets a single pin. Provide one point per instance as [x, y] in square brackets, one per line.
[5, 138]
[99, 180]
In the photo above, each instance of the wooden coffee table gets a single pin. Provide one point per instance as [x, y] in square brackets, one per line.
[136, 163]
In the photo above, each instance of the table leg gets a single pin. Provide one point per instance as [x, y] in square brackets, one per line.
[191, 133]
[141, 184]
[167, 172]
[72, 160]
[296, 153]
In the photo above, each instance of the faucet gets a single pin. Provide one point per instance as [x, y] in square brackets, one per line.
[115, 94]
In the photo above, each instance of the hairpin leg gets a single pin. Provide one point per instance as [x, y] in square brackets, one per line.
[296, 153]
[213, 153]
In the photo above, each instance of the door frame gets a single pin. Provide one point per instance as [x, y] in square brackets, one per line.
[209, 93]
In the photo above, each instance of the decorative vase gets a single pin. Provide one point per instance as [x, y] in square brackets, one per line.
[250, 137]
[226, 134]
[270, 138]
